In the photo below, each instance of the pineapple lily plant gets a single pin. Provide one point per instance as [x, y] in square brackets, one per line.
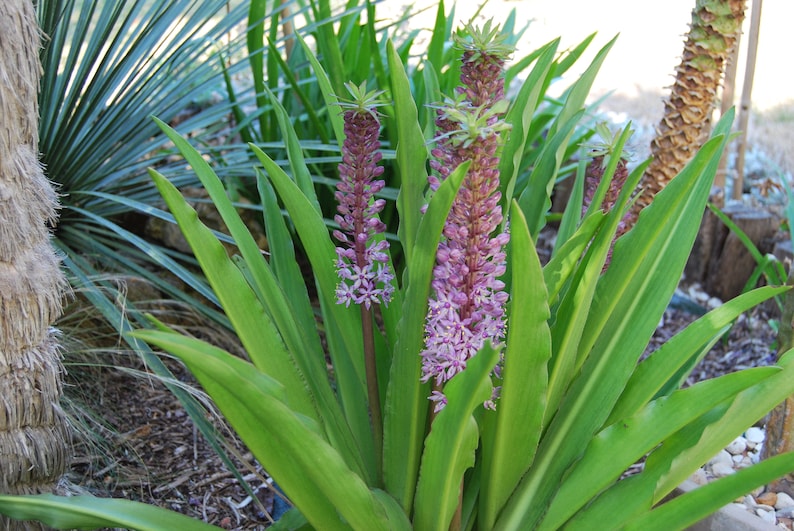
[473, 387]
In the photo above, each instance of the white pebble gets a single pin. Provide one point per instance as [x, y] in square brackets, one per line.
[699, 477]
[738, 446]
[714, 302]
[766, 516]
[755, 435]
[721, 470]
[744, 462]
[722, 457]
[784, 501]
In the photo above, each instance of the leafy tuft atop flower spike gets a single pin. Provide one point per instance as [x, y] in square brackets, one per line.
[362, 261]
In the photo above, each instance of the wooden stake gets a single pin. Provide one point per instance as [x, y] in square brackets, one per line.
[746, 101]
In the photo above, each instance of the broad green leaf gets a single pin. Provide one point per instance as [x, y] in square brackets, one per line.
[309, 470]
[284, 264]
[658, 370]
[411, 155]
[684, 452]
[406, 407]
[534, 196]
[90, 512]
[689, 508]
[563, 263]
[579, 91]
[439, 36]
[511, 433]
[297, 164]
[256, 330]
[625, 442]
[645, 269]
[342, 324]
[572, 215]
[297, 89]
[328, 46]
[255, 36]
[520, 116]
[450, 445]
[329, 96]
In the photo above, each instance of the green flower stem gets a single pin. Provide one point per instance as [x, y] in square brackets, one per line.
[373, 392]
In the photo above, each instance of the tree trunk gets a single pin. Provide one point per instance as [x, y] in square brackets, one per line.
[780, 422]
[686, 123]
[34, 437]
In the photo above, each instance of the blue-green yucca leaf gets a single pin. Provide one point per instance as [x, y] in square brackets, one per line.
[290, 446]
[89, 512]
[406, 407]
[625, 442]
[646, 266]
[511, 433]
[450, 445]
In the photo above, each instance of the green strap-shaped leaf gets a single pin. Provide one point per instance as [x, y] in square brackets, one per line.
[646, 266]
[510, 434]
[520, 117]
[691, 507]
[681, 454]
[343, 324]
[297, 163]
[285, 265]
[327, 91]
[255, 39]
[616, 448]
[411, 157]
[662, 366]
[90, 512]
[450, 445]
[256, 330]
[562, 265]
[406, 406]
[290, 447]
[304, 346]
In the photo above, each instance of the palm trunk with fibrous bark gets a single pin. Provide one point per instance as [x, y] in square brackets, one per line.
[34, 436]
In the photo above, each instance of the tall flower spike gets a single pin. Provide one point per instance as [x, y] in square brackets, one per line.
[467, 308]
[362, 261]
[594, 173]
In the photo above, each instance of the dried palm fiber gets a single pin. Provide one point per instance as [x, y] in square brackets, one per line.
[686, 123]
[34, 442]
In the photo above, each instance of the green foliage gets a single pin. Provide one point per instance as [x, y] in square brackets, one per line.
[576, 409]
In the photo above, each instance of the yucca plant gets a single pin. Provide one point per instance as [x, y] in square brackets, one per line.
[569, 408]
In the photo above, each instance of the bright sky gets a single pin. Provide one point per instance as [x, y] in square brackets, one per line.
[651, 39]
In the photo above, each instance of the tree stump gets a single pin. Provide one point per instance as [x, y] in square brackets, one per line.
[720, 261]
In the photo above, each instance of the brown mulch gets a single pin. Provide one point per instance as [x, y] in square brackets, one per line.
[154, 453]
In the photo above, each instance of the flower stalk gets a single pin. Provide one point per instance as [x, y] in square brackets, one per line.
[362, 260]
